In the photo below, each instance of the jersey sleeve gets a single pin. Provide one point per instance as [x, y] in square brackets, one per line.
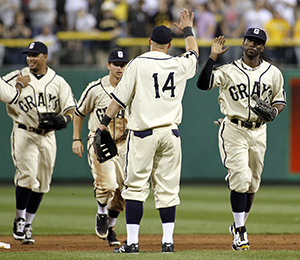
[66, 98]
[87, 99]
[8, 94]
[278, 94]
[189, 63]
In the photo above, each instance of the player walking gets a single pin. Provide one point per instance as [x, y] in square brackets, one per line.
[108, 176]
[151, 89]
[242, 134]
[33, 149]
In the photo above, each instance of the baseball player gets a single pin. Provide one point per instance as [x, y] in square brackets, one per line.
[34, 149]
[242, 134]
[108, 176]
[9, 94]
[151, 89]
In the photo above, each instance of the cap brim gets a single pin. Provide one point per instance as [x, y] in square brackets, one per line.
[118, 61]
[31, 51]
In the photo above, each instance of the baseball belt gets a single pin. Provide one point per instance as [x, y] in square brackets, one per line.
[32, 129]
[247, 124]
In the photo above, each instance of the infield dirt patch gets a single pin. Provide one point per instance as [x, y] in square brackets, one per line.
[153, 243]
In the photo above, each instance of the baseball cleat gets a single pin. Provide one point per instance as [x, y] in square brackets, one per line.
[112, 238]
[240, 240]
[167, 248]
[101, 226]
[29, 240]
[18, 232]
[130, 249]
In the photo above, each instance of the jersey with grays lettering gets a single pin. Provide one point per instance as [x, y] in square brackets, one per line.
[152, 88]
[50, 93]
[237, 82]
[8, 94]
[94, 101]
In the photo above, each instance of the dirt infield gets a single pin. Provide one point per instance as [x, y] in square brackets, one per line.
[152, 243]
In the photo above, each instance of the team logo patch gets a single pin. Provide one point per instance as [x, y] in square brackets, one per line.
[31, 46]
[256, 31]
[120, 54]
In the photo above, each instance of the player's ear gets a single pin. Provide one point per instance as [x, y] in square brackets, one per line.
[263, 48]
[169, 45]
[108, 65]
[149, 41]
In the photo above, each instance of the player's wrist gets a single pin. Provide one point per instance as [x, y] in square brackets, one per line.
[276, 111]
[19, 83]
[105, 120]
[187, 31]
[76, 139]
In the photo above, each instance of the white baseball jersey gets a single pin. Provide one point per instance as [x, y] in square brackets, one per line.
[237, 82]
[108, 176]
[8, 94]
[33, 153]
[51, 93]
[152, 88]
[94, 101]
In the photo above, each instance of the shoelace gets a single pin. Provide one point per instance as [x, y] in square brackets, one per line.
[28, 232]
[20, 226]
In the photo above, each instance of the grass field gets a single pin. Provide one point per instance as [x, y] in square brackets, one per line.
[70, 210]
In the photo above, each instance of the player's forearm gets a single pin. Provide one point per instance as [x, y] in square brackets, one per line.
[110, 113]
[191, 44]
[77, 126]
[279, 108]
[205, 75]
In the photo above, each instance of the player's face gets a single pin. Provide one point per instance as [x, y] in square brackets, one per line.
[253, 47]
[37, 62]
[117, 69]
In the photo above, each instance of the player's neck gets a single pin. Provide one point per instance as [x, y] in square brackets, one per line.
[253, 63]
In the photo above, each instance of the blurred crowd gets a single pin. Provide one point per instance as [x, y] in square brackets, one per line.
[42, 19]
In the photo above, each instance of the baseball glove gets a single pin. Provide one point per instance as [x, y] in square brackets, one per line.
[264, 111]
[104, 146]
[52, 121]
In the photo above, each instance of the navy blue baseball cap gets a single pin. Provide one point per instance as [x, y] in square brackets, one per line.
[161, 34]
[256, 33]
[36, 47]
[117, 56]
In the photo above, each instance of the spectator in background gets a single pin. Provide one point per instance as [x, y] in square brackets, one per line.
[106, 22]
[19, 30]
[285, 8]
[121, 14]
[3, 34]
[163, 16]
[206, 25]
[61, 19]
[296, 34]
[232, 26]
[48, 37]
[8, 10]
[41, 13]
[136, 24]
[71, 9]
[278, 30]
[257, 16]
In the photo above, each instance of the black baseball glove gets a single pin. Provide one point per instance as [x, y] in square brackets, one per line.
[52, 121]
[264, 111]
[104, 146]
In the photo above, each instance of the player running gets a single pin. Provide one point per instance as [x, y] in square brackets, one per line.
[108, 176]
[242, 134]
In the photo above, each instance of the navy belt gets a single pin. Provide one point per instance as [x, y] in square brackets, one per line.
[32, 129]
[247, 124]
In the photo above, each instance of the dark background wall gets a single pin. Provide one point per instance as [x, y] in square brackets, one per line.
[201, 161]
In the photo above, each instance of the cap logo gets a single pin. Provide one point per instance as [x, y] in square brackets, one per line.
[31, 46]
[120, 54]
[256, 31]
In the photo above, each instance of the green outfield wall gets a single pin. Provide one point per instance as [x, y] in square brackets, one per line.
[201, 161]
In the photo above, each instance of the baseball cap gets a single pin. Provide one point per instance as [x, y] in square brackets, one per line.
[36, 47]
[117, 56]
[161, 34]
[256, 33]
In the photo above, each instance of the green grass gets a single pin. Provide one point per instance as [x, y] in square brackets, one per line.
[70, 210]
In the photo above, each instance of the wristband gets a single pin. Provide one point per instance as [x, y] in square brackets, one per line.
[105, 120]
[187, 31]
[276, 111]
[76, 140]
[20, 84]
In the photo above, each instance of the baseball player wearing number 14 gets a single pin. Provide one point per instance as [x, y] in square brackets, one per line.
[151, 90]
[242, 133]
